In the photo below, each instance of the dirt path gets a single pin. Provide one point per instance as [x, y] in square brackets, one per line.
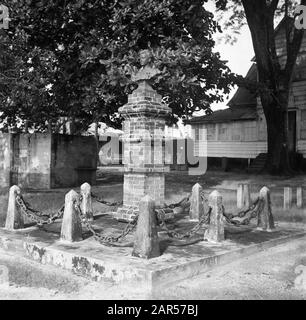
[263, 276]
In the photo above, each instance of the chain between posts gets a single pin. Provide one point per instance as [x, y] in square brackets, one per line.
[36, 216]
[190, 233]
[111, 240]
[107, 203]
[106, 240]
[178, 204]
[253, 210]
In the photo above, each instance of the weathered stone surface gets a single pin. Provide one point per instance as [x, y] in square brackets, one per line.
[71, 226]
[44, 161]
[196, 203]
[146, 243]
[14, 218]
[265, 217]
[90, 259]
[86, 204]
[215, 231]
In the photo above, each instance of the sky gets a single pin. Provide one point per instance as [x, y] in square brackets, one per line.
[238, 55]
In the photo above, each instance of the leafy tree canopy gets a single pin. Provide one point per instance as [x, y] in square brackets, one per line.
[74, 57]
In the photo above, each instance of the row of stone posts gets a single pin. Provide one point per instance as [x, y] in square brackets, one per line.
[146, 243]
[288, 198]
[146, 239]
[71, 225]
[244, 198]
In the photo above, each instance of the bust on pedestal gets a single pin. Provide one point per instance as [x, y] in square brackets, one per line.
[144, 152]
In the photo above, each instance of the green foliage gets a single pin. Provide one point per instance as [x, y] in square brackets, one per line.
[85, 51]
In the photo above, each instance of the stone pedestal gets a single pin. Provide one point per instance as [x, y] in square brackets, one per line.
[265, 218]
[86, 204]
[14, 218]
[215, 231]
[146, 244]
[144, 149]
[71, 230]
[196, 203]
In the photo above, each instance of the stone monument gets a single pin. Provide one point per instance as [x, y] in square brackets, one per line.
[143, 140]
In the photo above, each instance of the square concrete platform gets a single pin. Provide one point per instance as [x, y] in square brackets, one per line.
[99, 262]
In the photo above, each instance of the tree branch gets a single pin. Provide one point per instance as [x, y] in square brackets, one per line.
[273, 5]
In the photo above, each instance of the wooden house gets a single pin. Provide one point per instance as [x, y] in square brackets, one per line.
[240, 132]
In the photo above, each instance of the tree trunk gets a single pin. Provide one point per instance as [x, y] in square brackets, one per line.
[276, 113]
[274, 79]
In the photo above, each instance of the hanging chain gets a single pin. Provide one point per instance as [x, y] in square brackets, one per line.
[35, 215]
[253, 212]
[184, 202]
[107, 203]
[108, 240]
[188, 234]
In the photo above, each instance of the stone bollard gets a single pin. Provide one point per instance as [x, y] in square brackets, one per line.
[14, 217]
[146, 243]
[240, 196]
[86, 204]
[196, 203]
[299, 197]
[265, 218]
[243, 196]
[215, 231]
[287, 198]
[71, 226]
[246, 196]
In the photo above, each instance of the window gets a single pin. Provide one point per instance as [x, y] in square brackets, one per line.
[211, 132]
[224, 132]
[236, 131]
[250, 131]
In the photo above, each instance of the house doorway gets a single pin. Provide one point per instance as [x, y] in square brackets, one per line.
[292, 131]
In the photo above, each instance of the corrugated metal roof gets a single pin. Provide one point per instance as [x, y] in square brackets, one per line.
[227, 115]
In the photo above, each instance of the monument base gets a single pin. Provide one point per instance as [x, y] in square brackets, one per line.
[126, 214]
[90, 259]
